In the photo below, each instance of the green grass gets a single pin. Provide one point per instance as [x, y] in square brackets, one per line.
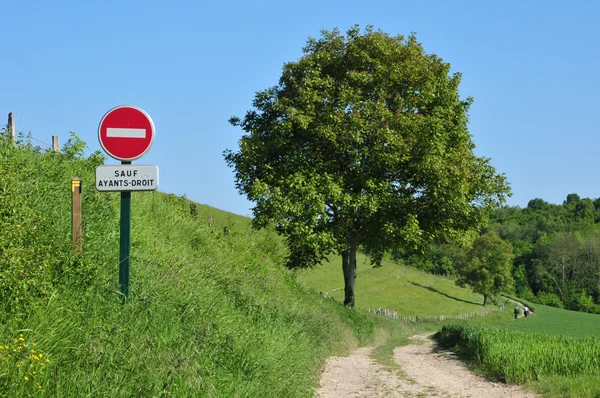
[519, 357]
[209, 314]
[404, 289]
[554, 352]
[568, 387]
[534, 343]
[550, 320]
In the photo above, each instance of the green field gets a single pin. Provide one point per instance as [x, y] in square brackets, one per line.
[555, 351]
[548, 320]
[400, 288]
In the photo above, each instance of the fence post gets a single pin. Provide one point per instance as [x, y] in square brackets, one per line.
[11, 126]
[76, 214]
[55, 144]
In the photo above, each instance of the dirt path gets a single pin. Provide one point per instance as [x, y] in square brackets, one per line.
[428, 373]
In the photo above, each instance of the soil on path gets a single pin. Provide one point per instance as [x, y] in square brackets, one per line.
[428, 372]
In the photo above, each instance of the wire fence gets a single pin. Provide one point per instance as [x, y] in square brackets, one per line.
[36, 142]
[424, 318]
[28, 138]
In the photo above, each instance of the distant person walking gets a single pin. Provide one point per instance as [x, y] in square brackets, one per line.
[516, 311]
[526, 311]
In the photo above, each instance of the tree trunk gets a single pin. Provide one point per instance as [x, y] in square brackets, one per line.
[349, 267]
[484, 300]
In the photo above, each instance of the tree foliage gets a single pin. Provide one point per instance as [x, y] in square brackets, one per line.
[556, 250]
[363, 143]
[487, 267]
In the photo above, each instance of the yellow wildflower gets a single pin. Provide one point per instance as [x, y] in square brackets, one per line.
[32, 351]
[21, 338]
[41, 355]
[31, 365]
[33, 344]
[34, 372]
[26, 378]
[47, 360]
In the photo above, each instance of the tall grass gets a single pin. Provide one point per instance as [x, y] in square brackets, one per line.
[519, 357]
[209, 314]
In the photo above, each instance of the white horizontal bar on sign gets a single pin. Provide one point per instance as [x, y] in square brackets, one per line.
[125, 133]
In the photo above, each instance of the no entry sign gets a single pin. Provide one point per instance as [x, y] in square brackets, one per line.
[126, 133]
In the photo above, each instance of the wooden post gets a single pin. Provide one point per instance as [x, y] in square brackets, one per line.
[55, 144]
[76, 230]
[11, 126]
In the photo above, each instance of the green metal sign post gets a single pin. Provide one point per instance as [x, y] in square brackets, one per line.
[126, 134]
[125, 246]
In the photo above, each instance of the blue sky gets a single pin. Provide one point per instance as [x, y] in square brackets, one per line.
[533, 68]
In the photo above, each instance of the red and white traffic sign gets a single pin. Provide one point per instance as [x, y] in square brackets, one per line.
[126, 133]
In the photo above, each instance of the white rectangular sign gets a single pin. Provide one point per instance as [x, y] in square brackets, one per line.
[127, 177]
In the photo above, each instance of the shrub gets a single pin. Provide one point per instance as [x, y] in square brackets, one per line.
[550, 299]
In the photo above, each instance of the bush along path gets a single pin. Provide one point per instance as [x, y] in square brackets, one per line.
[425, 371]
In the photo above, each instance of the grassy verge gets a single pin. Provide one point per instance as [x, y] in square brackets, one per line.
[568, 387]
[210, 314]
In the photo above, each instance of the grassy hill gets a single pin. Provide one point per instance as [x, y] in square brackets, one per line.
[400, 288]
[209, 314]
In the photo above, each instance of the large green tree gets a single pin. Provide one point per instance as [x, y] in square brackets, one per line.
[363, 143]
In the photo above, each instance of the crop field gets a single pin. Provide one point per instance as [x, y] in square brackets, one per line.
[519, 357]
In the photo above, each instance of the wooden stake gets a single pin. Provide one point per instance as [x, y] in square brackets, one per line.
[11, 126]
[76, 230]
[55, 144]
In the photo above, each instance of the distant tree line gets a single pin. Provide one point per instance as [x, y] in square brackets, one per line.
[553, 254]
